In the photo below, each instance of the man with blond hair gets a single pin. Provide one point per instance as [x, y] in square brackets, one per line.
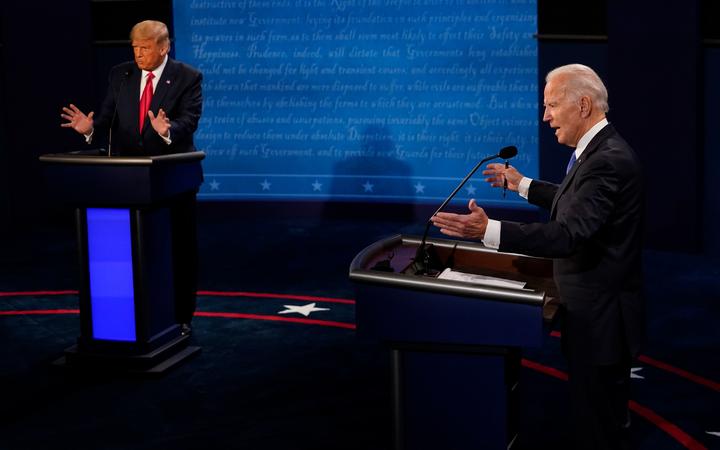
[175, 103]
[594, 236]
[152, 107]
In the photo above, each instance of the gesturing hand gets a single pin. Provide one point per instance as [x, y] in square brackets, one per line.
[471, 225]
[77, 120]
[160, 123]
[497, 173]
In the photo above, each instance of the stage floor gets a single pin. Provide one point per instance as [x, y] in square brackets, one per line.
[270, 377]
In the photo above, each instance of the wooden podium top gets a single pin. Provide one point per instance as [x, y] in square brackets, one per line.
[397, 303]
[467, 257]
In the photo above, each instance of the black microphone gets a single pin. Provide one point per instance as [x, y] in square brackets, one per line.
[422, 256]
[125, 76]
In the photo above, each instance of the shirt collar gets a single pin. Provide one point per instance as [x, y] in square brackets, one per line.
[157, 73]
[587, 137]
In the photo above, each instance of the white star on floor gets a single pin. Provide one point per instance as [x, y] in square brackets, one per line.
[714, 433]
[419, 188]
[317, 185]
[368, 186]
[265, 185]
[214, 185]
[470, 189]
[305, 310]
[633, 373]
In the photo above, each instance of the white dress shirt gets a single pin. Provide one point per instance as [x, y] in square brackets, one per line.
[492, 232]
[157, 73]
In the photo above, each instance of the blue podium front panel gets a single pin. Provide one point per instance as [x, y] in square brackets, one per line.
[112, 299]
[404, 315]
[456, 344]
[455, 401]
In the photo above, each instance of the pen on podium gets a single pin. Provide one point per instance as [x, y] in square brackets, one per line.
[507, 164]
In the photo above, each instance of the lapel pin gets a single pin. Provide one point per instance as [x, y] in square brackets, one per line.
[167, 81]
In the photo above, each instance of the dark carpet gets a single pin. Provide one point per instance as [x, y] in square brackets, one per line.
[261, 384]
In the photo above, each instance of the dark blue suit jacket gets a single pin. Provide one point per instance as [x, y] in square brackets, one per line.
[178, 93]
[595, 237]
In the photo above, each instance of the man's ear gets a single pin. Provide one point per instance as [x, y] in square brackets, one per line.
[585, 106]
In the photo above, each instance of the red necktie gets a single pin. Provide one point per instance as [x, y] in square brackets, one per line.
[145, 99]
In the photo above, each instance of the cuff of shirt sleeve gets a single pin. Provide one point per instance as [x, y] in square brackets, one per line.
[88, 137]
[492, 234]
[524, 187]
[167, 139]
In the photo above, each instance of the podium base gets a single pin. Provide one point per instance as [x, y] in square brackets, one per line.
[157, 361]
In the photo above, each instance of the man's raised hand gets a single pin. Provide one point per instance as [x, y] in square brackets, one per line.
[77, 120]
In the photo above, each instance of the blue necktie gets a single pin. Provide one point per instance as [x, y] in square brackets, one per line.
[571, 163]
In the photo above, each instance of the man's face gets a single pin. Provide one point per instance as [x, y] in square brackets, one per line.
[148, 53]
[562, 113]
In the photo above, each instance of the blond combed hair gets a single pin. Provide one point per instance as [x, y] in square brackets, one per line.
[151, 29]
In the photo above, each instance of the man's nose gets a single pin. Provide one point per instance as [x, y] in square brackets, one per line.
[546, 116]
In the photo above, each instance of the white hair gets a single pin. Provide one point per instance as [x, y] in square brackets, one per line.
[582, 81]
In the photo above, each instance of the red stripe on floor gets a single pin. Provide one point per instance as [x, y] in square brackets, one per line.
[228, 315]
[669, 368]
[670, 428]
[31, 293]
[308, 298]
[30, 312]
[680, 372]
[325, 323]
[553, 372]
[206, 293]
[646, 413]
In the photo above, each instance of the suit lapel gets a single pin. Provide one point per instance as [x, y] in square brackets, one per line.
[131, 94]
[589, 150]
[165, 83]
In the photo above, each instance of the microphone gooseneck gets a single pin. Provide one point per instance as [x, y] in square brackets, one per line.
[422, 256]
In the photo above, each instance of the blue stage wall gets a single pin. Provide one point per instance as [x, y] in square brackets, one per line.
[368, 100]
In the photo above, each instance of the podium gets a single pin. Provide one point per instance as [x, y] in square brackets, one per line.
[124, 232]
[455, 345]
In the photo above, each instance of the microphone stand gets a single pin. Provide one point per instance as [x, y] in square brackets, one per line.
[421, 263]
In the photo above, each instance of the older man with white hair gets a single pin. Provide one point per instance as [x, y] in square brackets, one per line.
[594, 236]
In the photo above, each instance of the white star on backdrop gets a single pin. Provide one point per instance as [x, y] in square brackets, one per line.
[419, 188]
[214, 185]
[634, 374]
[368, 186]
[317, 185]
[265, 185]
[305, 310]
[470, 189]
[714, 433]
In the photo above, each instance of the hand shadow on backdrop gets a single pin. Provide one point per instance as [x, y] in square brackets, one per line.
[355, 180]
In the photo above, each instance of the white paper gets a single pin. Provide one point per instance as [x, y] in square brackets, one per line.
[449, 274]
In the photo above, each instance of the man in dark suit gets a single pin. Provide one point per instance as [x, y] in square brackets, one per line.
[594, 236]
[152, 107]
